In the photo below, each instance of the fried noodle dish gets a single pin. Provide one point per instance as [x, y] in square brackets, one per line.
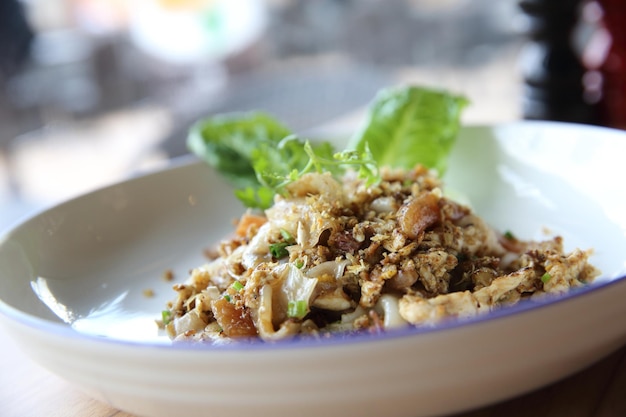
[338, 255]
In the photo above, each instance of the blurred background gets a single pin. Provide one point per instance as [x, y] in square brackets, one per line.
[94, 91]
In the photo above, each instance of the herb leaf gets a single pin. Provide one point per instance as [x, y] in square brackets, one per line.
[256, 197]
[411, 125]
[229, 142]
[166, 317]
[297, 309]
[279, 250]
[260, 156]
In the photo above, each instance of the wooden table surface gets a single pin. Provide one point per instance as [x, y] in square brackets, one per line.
[27, 390]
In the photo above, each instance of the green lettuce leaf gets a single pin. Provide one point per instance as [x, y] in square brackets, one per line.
[230, 142]
[411, 125]
[259, 155]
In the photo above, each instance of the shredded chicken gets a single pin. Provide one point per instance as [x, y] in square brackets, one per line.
[340, 256]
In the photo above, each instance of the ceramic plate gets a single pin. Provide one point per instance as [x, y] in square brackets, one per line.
[74, 280]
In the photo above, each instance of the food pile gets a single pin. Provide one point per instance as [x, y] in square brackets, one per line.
[364, 249]
[342, 256]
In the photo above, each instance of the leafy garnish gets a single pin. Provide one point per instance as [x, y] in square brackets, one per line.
[260, 156]
[509, 235]
[286, 235]
[411, 125]
[230, 142]
[297, 309]
[261, 163]
[279, 250]
[166, 317]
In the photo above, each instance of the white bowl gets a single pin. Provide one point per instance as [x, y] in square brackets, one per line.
[73, 279]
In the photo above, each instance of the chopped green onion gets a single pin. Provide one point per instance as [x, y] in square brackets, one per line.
[286, 235]
[297, 309]
[237, 286]
[299, 263]
[279, 250]
[545, 277]
[166, 317]
[509, 235]
[227, 297]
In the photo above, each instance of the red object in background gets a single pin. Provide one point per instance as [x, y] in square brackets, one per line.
[613, 69]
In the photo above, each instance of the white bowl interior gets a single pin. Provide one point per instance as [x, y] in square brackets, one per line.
[88, 262]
